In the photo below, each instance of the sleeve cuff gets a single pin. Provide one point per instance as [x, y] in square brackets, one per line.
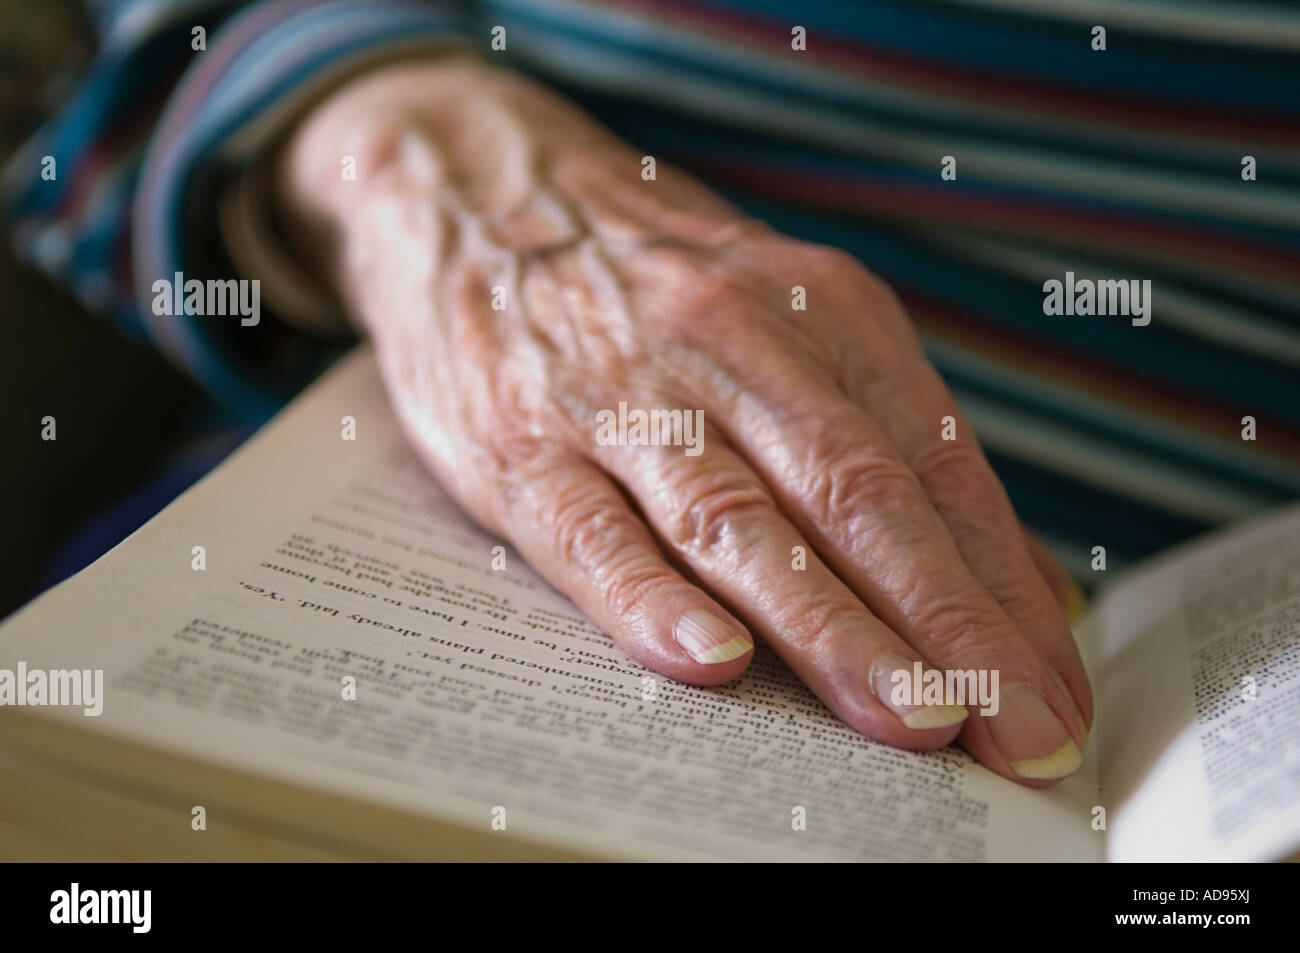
[201, 209]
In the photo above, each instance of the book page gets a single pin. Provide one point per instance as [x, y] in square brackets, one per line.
[482, 697]
[1200, 686]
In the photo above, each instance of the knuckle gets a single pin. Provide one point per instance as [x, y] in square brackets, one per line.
[953, 474]
[633, 584]
[838, 265]
[856, 482]
[602, 546]
[1019, 602]
[948, 463]
[583, 529]
[715, 507]
[807, 256]
[834, 262]
[958, 628]
[821, 620]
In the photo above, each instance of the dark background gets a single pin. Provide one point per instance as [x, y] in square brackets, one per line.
[121, 410]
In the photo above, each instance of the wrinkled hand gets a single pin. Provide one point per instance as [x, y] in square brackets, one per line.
[519, 277]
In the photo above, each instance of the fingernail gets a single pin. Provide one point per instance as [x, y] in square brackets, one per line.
[1031, 737]
[708, 639]
[1076, 603]
[889, 687]
[1069, 696]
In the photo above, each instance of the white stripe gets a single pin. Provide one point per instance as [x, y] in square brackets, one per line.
[1217, 322]
[1153, 430]
[799, 71]
[1241, 24]
[142, 19]
[715, 99]
[1105, 465]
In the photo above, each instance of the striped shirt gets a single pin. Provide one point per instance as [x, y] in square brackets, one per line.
[967, 151]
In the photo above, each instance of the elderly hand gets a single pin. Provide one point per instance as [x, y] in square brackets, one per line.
[521, 279]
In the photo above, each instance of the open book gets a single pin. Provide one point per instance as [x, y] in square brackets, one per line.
[346, 669]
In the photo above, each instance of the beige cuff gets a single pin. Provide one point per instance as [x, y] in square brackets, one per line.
[248, 229]
[257, 251]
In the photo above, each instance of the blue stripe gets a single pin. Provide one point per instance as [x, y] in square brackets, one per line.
[1088, 516]
[686, 140]
[1080, 140]
[1151, 353]
[1122, 429]
[1056, 53]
